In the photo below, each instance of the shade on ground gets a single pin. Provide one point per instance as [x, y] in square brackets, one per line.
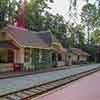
[87, 88]
[18, 83]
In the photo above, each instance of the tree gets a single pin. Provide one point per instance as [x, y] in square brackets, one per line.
[96, 36]
[35, 10]
[88, 16]
[76, 36]
[38, 19]
[80, 36]
[7, 12]
[3, 11]
[58, 25]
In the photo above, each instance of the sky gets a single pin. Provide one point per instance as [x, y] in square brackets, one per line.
[62, 6]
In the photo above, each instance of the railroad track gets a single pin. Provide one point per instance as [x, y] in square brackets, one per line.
[32, 92]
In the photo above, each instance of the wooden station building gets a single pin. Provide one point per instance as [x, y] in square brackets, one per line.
[28, 49]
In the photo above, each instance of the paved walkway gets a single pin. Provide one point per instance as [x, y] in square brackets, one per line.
[5, 75]
[18, 83]
[87, 88]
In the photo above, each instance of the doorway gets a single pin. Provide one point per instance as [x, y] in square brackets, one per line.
[10, 56]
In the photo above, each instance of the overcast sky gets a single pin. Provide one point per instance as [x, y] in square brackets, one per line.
[61, 6]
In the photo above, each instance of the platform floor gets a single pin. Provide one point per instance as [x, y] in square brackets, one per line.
[87, 88]
[18, 83]
[4, 75]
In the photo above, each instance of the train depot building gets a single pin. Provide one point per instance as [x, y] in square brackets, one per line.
[25, 50]
[77, 56]
[30, 50]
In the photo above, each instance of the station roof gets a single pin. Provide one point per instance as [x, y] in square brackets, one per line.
[78, 51]
[8, 44]
[27, 38]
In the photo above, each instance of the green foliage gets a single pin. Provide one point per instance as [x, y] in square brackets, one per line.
[38, 18]
[88, 15]
[91, 50]
[96, 36]
[76, 36]
[7, 12]
[90, 18]
[57, 25]
[34, 14]
[3, 11]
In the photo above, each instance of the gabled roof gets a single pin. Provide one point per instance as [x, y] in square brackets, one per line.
[78, 51]
[29, 38]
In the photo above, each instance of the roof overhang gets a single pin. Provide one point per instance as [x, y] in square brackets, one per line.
[59, 50]
[8, 44]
